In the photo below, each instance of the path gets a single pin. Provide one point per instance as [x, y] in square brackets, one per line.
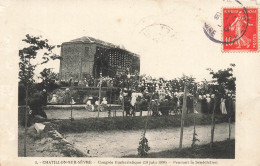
[122, 143]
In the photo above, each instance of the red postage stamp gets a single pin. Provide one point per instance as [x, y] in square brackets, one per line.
[240, 29]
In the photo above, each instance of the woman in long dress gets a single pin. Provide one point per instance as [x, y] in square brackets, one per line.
[54, 99]
[197, 103]
[223, 106]
[89, 106]
[104, 104]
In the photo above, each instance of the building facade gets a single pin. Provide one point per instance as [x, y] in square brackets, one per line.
[87, 56]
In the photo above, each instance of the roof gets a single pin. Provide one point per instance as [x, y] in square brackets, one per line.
[87, 39]
[91, 40]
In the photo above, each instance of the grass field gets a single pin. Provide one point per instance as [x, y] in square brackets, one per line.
[133, 123]
[220, 150]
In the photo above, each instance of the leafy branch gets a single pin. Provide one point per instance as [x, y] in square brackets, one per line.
[143, 147]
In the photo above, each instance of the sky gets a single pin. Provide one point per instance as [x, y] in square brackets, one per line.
[170, 42]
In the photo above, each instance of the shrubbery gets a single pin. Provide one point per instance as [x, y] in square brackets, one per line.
[143, 147]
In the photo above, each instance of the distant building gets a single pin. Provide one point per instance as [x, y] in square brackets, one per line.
[86, 56]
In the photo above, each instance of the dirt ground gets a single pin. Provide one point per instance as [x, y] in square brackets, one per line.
[37, 145]
[124, 143]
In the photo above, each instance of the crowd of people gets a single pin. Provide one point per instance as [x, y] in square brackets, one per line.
[164, 104]
[164, 97]
[95, 106]
[161, 97]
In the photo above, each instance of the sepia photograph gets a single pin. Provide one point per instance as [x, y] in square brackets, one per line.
[130, 82]
[100, 105]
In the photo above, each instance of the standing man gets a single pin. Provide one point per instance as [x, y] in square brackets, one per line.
[44, 97]
[67, 96]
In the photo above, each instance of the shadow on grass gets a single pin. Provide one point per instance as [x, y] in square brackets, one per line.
[220, 150]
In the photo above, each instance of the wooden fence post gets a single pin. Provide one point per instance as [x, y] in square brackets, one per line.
[123, 104]
[71, 109]
[99, 96]
[229, 119]
[184, 109]
[26, 120]
[194, 132]
[110, 95]
[229, 128]
[213, 124]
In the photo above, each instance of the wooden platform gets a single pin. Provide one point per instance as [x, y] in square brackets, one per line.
[78, 106]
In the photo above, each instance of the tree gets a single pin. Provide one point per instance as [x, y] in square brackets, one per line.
[206, 87]
[224, 80]
[29, 53]
[178, 84]
[48, 79]
[189, 81]
[27, 68]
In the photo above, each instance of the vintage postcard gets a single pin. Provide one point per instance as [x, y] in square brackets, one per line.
[133, 82]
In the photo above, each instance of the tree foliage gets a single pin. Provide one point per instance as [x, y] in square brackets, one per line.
[48, 79]
[27, 65]
[223, 80]
[27, 54]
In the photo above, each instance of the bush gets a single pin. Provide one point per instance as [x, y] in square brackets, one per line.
[143, 147]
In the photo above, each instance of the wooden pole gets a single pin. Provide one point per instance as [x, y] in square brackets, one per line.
[229, 119]
[71, 109]
[213, 124]
[194, 122]
[71, 99]
[229, 128]
[145, 126]
[99, 93]
[26, 110]
[149, 106]
[109, 114]
[123, 103]
[194, 131]
[194, 112]
[146, 122]
[184, 108]
[26, 120]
